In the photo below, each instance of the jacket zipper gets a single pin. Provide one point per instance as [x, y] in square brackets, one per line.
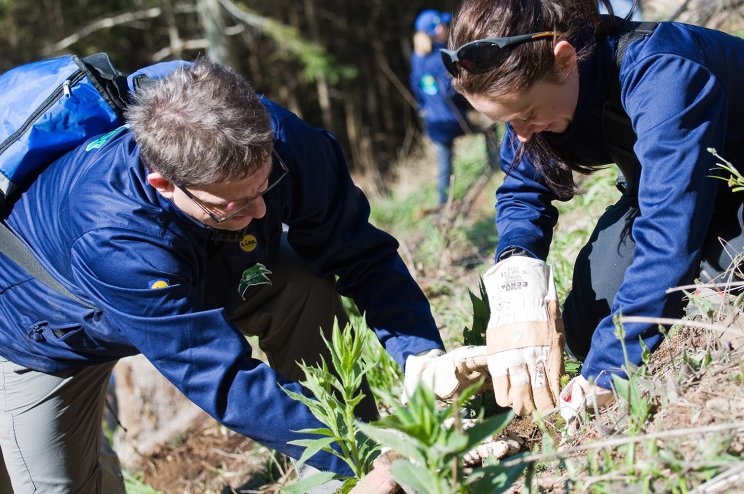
[63, 88]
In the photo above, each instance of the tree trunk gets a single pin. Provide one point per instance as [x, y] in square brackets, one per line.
[213, 24]
[321, 83]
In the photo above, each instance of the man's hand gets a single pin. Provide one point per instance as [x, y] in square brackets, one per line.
[579, 396]
[447, 374]
[380, 479]
[525, 334]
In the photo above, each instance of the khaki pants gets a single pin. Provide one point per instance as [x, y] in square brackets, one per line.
[50, 431]
[50, 425]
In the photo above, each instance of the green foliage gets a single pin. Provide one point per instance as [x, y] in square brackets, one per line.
[336, 396]
[476, 333]
[386, 373]
[134, 485]
[483, 404]
[434, 451]
[735, 179]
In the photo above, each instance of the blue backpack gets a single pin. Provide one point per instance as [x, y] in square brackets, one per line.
[50, 107]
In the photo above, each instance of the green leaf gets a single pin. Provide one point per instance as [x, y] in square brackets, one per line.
[320, 431]
[304, 485]
[494, 479]
[484, 430]
[395, 440]
[312, 446]
[417, 477]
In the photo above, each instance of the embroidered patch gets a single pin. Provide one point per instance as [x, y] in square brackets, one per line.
[258, 274]
[102, 140]
[248, 243]
[429, 85]
[155, 284]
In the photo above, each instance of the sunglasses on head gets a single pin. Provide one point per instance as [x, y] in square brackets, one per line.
[482, 55]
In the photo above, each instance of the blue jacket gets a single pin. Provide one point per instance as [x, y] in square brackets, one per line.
[441, 107]
[681, 88]
[99, 228]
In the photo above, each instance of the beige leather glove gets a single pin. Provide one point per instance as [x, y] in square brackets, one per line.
[525, 334]
[581, 396]
[447, 374]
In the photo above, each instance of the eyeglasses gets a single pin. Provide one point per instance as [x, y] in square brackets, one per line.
[214, 210]
[482, 55]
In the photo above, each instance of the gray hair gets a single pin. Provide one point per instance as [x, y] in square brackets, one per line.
[200, 125]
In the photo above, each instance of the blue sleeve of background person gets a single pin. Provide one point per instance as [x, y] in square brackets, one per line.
[678, 109]
[328, 226]
[197, 350]
[525, 216]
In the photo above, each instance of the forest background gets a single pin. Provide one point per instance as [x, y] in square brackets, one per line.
[340, 65]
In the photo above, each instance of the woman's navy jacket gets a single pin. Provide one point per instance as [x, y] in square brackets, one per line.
[99, 228]
[682, 87]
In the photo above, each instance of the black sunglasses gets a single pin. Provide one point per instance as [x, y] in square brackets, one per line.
[482, 55]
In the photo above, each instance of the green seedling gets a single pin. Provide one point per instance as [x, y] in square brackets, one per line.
[336, 396]
[433, 452]
[735, 180]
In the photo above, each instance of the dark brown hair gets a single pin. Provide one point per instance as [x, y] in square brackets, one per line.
[529, 63]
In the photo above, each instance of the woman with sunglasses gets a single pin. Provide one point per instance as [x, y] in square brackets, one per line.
[579, 91]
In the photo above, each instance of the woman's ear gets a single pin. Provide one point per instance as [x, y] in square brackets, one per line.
[161, 184]
[565, 59]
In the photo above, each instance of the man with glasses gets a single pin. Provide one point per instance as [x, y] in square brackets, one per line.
[212, 214]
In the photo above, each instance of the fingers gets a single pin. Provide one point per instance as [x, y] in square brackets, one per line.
[542, 394]
[496, 449]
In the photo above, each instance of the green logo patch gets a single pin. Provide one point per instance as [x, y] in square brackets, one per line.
[258, 274]
[102, 140]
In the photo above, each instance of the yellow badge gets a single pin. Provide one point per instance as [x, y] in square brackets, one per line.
[155, 284]
[248, 243]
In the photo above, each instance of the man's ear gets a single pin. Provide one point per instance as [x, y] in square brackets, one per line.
[161, 184]
[565, 59]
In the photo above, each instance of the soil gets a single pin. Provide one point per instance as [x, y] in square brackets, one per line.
[209, 458]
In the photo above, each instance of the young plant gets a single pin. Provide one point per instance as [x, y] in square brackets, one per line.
[483, 404]
[735, 179]
[336, 396]
[434, 451]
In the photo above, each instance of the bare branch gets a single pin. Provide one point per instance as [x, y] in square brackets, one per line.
[105, 23]
[682, 322]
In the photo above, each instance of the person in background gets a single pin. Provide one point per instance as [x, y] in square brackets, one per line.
[442, 110]
[579, 91]
[211, 215]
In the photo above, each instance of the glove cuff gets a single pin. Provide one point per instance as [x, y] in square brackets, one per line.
[526, 334]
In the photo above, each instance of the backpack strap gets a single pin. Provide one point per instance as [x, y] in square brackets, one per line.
[617, 129]
[15, 249]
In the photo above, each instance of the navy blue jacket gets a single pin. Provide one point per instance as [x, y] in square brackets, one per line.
[682, 89]
[441, 107]
[98, 227]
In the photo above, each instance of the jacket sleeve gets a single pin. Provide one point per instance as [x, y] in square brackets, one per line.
[197, 350]
[328, 226]
[678, 109]
[525, 216]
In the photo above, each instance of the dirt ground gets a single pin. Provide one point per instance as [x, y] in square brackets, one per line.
[209, 458]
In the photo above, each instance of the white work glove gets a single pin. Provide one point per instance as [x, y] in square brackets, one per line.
[525, 334]
[447, 374]
[580, 396]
